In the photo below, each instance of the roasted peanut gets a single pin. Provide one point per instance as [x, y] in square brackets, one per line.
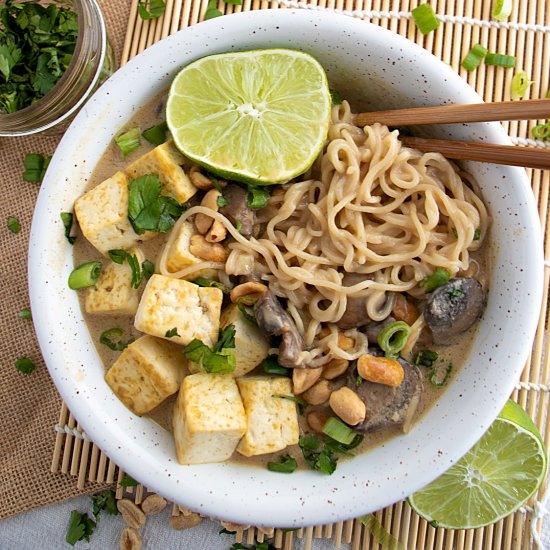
[345, 342]
[198, 179]
[348, 406]
[404, 310]
[318, 393]
[216, 233]
[335, 367]
[153, 504]
[203, 222]
[303, 379]
[185, 521]
[381, 370]
[251, 288]
[129, 539]
[130, 512]
[211, 252]
[316, 420]
[233, 527]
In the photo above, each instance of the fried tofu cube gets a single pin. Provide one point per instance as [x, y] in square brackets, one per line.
[169, 303]
[272, 421]
[164, 162]
[147, 372]
[208, 418]
[179, 257]
[113, 293]
[251, 346]
[102, 214]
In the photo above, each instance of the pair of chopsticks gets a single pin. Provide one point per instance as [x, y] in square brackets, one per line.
[529, 157]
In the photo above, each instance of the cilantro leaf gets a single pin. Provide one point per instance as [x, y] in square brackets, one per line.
[24, 365]
[104, 501]
[13, 224]
[285, 465]
[148, 210]
[156, 135]
[212, 10]
[219, 359]
[151, 9]
[127, 481]
[80, 527]
[257, 197]
[172, 332]
[112, 338]
[35, 166]
[118, 256]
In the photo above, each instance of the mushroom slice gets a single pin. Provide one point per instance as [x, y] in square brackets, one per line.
[273, 320]
[355, 314]
[387, 406]
[237, 210]
[453, 308]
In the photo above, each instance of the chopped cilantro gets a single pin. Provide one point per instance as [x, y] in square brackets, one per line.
[219, 359]
[80, 527]
[455, 293]
[212, 10]
[298, 400]
[128, 141]
[104, 501]
[156, 135]
[205, 281]
[477, 234]
[13, 224]
[67, 219]
[36, 46]
[128, 481]
[270, 365]
[242, 306]
[148, 210]
[221, 201]
[358, 381]
[172, 332]
[426, 358]
[257, 197]
[257, 546]
[285, 465]
[25, 313]
[336, 97]
[119, 256]
[24, 365]
[151, 9]
[226, 338]
[238, 225]
[112, 338]
[147, 269]
[35, 166]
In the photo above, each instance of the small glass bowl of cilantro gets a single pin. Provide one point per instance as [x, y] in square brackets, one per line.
[53, 54]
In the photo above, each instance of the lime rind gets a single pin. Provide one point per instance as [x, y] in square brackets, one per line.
[258, 116]
[496, 477]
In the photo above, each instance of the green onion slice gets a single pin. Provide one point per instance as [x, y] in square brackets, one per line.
[500, 60]
[156, 135]
[541, 131]
[438, 278]
[85, 275]
[339, 431]
[128, 141]
[426, 358]
[474, 57]
[501, 9]
[520, 85]
[436, 379]
[425, 19]
[393, 337]
[286, 465]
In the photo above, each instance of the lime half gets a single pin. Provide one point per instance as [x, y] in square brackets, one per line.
[492, 480]
[259, 116]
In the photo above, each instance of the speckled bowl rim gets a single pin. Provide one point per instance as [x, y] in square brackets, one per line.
[249, 494]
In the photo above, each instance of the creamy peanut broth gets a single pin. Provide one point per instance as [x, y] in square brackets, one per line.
[113, 161]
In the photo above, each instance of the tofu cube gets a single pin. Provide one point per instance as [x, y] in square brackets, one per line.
[169, 303]
[113, 293]
[147, 372]
[164, 162]
[251, 346]
[272, 421]
[179, 257]
[208, 418]
[102, 214]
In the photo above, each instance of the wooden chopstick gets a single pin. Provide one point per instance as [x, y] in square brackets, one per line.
[526, 109]
[528, 157]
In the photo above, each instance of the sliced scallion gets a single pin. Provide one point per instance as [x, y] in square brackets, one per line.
[156, 135]
[339, 431]
[541, 131]
[393, 337]
[438, 278]
[85, 275]
[520, 85]
[500, 60]
[128, 141]
[474, 57]
[436, 379]
[425, 19]
[426, 358]
[501, 9]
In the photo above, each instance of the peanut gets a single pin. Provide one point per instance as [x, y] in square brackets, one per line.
[303, 379]
[211, 252]
[334, 368]
[153, 504]
[203, 222]
[130, 512]
[233, 527]
[347, 405]
[404, 310]
[381, 370]
[185, 521]
[216, 233]
[318, 393]
[129, 539]
[198, 179]
[250, 288]
[345, 342]
[316, 420]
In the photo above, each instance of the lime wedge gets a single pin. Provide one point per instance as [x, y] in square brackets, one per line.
[492, 480]
[259, 116]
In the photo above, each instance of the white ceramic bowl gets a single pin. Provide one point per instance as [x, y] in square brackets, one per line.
[383, 70]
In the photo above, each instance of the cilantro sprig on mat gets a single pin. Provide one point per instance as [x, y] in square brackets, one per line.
[36, 47]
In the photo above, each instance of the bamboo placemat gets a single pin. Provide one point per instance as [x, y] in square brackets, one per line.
[463, 23]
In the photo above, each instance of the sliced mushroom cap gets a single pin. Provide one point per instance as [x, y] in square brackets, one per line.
[387, 406]
[237, 211]
[453, 308]
[355, 314]
[273, 320]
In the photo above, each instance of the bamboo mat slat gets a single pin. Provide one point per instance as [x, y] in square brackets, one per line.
[463, 23]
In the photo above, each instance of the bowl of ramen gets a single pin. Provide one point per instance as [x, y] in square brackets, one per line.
[285, 354]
